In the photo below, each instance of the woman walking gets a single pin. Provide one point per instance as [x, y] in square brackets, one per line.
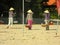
[29, 19]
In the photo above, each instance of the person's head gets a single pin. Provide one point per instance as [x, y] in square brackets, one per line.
[46, 11]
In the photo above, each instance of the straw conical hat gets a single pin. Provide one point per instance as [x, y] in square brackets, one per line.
[11, 8]
[46, 11]
[29, 11]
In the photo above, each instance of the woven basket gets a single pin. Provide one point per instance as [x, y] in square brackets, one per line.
[43, 25]
[26, 26]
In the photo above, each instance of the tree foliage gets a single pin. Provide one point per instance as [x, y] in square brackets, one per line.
[6, 4]
[37, 7]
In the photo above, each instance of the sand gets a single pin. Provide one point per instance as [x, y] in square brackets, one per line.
[16, 35]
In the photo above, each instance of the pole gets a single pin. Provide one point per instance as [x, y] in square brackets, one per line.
[23, 12]
[23, 15]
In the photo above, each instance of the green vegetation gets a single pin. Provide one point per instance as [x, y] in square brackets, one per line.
[37, 7]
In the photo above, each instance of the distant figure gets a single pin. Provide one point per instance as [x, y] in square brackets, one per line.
[10, 23]
[1, 15]
[1, 21]
[29, 19]
[47, 17]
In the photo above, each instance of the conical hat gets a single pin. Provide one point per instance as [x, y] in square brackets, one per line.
[46, 11]
[11, 8]
[29, 11]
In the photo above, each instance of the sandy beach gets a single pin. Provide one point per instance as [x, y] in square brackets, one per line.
[19, 35]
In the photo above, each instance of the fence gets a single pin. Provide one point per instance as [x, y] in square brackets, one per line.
[19, 20]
